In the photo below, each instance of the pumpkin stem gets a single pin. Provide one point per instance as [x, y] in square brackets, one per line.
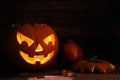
[93, 58]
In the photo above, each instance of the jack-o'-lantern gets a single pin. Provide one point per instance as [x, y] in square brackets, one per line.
[32, 45]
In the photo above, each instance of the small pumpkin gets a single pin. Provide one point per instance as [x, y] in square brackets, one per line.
[72, 52]
[102, 66]
[32, 45]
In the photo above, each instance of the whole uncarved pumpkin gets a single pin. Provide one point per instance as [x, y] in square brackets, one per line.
[102, 66]
[72, 52]
[31, 46]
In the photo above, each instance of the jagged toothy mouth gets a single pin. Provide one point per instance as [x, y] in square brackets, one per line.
[36, 58]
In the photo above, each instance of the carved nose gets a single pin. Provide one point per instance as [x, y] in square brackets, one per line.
[39, 48]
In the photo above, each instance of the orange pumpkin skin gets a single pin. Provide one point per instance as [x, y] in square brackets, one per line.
[26, 47]
[101, 66]
[72, 52]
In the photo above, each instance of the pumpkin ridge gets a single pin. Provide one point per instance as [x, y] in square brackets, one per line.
[101, 67]
[91, 66]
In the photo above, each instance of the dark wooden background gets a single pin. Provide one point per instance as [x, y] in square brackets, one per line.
[94, 25]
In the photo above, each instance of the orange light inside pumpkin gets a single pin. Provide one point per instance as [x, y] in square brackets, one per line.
[39, 48]
[50, 38]
[21, 38]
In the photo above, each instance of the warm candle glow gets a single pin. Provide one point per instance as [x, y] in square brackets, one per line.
[50, 38]
[39, 48]
[40, 58]
[21, 38]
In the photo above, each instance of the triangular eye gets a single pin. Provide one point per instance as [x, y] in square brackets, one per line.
[21, 38]
[50, 38]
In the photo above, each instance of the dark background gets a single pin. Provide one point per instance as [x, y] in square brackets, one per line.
[94, 25]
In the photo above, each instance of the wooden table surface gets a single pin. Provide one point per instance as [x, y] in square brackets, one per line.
[55, 75]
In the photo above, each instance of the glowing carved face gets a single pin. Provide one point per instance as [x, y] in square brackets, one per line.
[40, 48]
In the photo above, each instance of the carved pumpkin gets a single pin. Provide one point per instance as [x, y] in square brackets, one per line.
[32, 46]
